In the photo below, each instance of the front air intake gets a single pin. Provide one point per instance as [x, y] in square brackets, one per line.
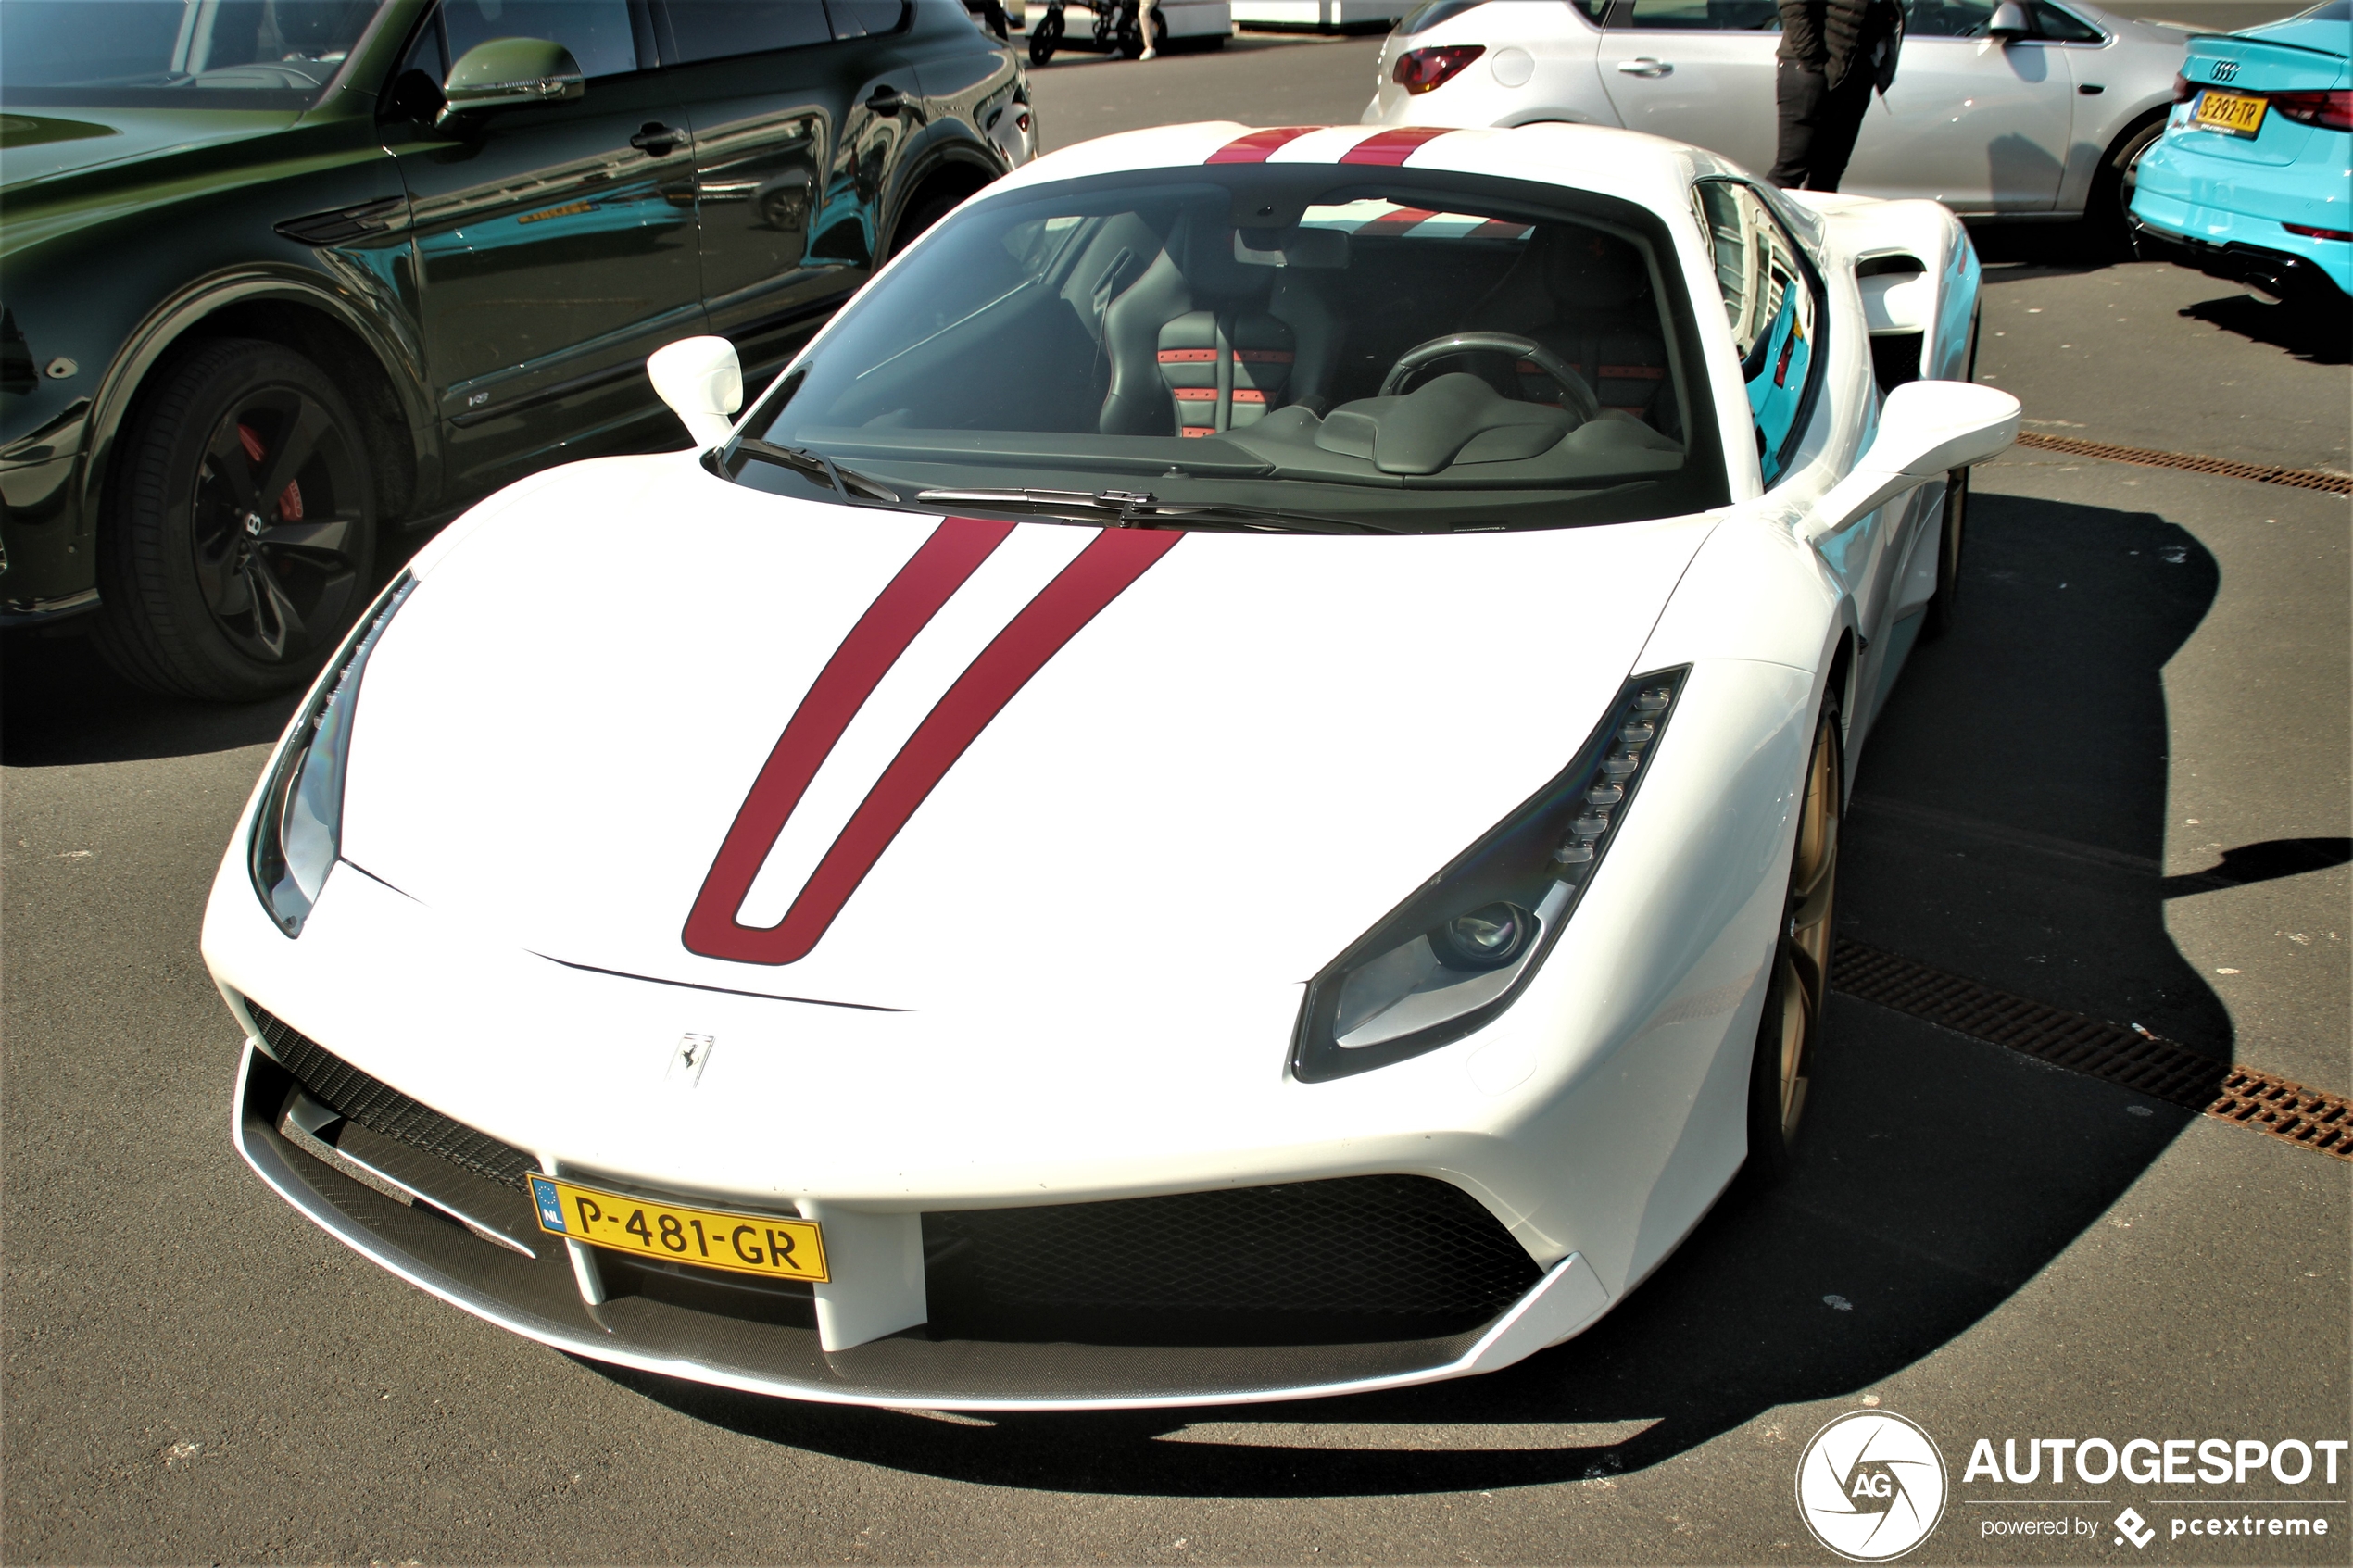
[380, 1108]
[1351, 1258]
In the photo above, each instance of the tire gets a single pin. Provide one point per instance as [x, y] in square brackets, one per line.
[1790, 1031]
[1043, 37]
[239, 537]
[2109, 210]
[1944, 612]
[1944, 606]
[921, 217]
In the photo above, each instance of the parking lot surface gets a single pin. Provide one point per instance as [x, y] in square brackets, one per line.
[2120, 788]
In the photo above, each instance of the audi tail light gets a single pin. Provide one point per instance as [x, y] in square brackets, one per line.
[2331, 110]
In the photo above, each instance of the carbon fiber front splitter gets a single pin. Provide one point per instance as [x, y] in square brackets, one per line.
[772, 1353]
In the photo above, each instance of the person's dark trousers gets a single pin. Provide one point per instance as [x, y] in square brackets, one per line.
[1818, 124]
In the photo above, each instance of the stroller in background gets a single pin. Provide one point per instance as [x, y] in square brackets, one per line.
[1118, 30]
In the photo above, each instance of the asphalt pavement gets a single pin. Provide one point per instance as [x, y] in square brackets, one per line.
[2149, 683]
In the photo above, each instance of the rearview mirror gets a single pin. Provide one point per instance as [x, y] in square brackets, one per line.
[1926, 429]
[2008, 21]
[703, 382]
[509, 73]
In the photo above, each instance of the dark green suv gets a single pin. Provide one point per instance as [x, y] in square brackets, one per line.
[280, 276]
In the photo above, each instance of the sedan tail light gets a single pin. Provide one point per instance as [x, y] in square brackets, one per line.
[2184, 88]
[1419, 70]
[2331, 110]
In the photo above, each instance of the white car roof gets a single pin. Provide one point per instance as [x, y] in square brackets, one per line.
[1651, 170]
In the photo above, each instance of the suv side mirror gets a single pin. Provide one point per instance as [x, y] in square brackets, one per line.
[703, 382]
[2008, 21]
[1926, 429]
[509, 73]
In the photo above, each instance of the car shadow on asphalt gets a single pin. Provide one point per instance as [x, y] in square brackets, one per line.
[61, 705]
[2317, 335]
[1938, 1173]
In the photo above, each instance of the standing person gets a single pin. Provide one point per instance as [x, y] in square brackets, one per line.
[1834, 53]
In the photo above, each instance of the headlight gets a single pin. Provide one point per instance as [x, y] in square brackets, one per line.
[298, 831]
[1458, 951]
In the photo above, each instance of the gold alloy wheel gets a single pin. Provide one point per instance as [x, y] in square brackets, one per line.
[1800, 964]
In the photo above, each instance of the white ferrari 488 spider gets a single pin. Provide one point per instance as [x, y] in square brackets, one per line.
[1228, 789]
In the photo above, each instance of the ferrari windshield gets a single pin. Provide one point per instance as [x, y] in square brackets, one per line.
[269, 53]
[1260, 345]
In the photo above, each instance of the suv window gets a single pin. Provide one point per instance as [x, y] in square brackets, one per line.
[601, 34]
[710, 29]
[1713, 16]
[230, 54]
[1768, 299]
[862, 18]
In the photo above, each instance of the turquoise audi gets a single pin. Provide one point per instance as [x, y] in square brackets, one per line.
[2253, 180]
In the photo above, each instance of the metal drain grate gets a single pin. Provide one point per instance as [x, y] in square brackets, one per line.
[2145, 1063]
[2302, 479]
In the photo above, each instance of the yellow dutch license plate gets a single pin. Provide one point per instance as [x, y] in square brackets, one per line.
[713, 1238]
[2233, 114]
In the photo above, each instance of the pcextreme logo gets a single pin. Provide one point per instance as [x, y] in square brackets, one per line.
[1872, 1486]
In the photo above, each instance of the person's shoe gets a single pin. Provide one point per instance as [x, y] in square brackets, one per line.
[1149, 53]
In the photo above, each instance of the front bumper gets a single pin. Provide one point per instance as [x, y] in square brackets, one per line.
[1592, 1124]
[438, 1221]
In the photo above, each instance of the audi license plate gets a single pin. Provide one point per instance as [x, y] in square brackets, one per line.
[2233, 114]
[713, 1238]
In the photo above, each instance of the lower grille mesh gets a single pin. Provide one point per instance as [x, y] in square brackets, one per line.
[1356, 1247]
[348, 1092]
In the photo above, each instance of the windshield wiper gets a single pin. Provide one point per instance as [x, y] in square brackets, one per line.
[848, 482]
[1141, 509]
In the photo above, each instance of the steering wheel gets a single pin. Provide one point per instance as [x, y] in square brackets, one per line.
[1581, 396]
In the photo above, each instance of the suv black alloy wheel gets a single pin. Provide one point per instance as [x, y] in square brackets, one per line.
[244, 526]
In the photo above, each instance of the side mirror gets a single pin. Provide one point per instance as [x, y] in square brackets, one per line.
[509, 73]
[703, 382]
[1926, 429]
[2008, 21]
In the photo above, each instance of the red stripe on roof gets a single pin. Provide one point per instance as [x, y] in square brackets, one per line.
[1404, 217]
[929, 580]
[1496, 229]
[1103, 571]
[1393, 145]
[1259, 145]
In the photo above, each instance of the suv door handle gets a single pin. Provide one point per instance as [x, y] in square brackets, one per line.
[1645, 66]
[887, 100]
[657, 139]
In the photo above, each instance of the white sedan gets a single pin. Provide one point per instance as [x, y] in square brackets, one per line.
[2013, 109]
[1229, 790]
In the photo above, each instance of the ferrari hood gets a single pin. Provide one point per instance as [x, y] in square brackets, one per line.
[648, 721]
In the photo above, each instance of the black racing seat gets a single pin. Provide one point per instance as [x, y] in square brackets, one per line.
[1201, 343]
[1584, 294]
[1225, 369]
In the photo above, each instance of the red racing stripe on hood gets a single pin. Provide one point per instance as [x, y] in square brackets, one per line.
[1103, 571]
[1259, 145]
[944, 563]
[1394, 145]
